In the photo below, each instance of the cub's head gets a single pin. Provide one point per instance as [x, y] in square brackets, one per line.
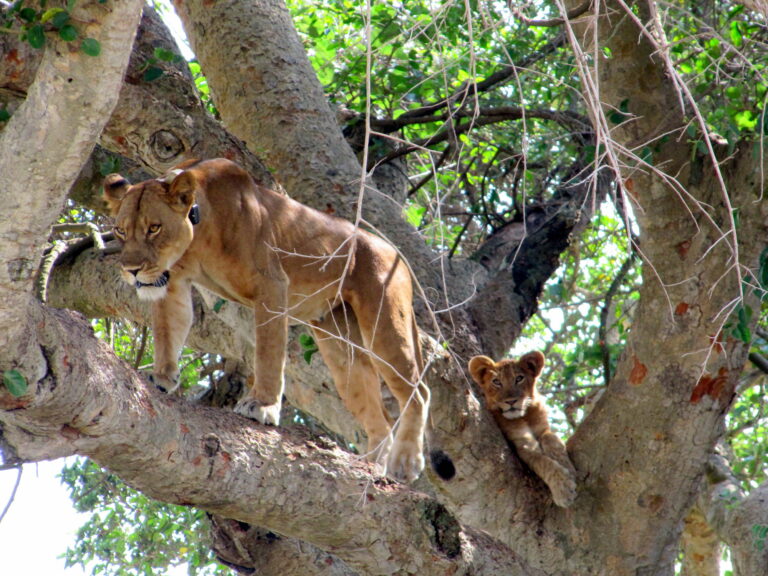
[509, 386]
[152, 222]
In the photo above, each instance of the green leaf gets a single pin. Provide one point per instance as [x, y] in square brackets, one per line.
[68, 33]
[219, 304]
[60, 20]
[308, 346]
[745, 120]
[4, 115]
[109, 166]
[306, 341]
[36, 36]
[736, 36]
[15, 382]
[91, 47]
[166, 55]
[28, 14]
[733, 92]
[51, 13]
[152, 73]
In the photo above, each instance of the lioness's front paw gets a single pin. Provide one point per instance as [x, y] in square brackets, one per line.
[406, 461]
[255, 410]
[563, 490]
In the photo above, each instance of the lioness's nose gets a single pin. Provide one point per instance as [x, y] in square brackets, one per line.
[132, 270]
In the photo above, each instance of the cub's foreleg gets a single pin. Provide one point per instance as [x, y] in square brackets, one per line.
[171, 320]
[555, 449]
[560, 480]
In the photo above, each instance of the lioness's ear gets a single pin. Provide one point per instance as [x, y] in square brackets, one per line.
[115, 187]
[533, 363]
[181, 193]
[479, 367]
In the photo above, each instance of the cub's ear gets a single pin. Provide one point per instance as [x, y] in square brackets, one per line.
[181, 192]
[115, 188]
[479, 366]
[533, 363]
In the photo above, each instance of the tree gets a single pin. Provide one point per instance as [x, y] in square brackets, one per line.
[656, 112]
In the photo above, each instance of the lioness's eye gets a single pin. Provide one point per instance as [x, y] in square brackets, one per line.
[119, 232]
[154, 228]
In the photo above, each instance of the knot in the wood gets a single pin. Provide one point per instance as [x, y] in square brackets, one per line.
[446, 529]
[211, 445]
[166, 145]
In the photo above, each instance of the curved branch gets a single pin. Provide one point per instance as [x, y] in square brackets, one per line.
[92, 404]
[740, 519]
[483, 116]
[571, 14]
[522, 256]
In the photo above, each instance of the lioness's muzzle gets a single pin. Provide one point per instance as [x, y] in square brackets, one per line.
[159, 283]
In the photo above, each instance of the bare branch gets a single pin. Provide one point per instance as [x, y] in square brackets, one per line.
[572, 14]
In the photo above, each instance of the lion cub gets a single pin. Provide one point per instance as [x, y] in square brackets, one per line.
[510, 392]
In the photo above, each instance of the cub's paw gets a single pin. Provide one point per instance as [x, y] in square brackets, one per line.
[406, 462]
[255, 410]
[563, 488]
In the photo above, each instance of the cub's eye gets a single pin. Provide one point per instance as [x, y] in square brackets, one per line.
[153, 229]
[119, 232]
[496, 382]
[519, 379]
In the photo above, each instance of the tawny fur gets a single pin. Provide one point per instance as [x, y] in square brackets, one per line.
[287, 262]
[510, 392]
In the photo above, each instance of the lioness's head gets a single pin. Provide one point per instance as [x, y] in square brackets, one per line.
[152, 222]
[508, 385]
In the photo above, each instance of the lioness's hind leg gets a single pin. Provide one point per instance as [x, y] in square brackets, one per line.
[389, 331]
[355, 377]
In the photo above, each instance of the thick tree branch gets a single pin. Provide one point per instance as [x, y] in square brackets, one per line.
[90, 403]
[42, 149]
[522, 256]
[675, 380]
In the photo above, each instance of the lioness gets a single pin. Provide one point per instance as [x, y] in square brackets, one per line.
[510, 393]
[209, 224]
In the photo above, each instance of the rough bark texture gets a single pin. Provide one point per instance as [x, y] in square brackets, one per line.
[640, 455]
[673, 401]
[42, 148]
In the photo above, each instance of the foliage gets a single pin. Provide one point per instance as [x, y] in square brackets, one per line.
[129, 533]
[35, 22]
